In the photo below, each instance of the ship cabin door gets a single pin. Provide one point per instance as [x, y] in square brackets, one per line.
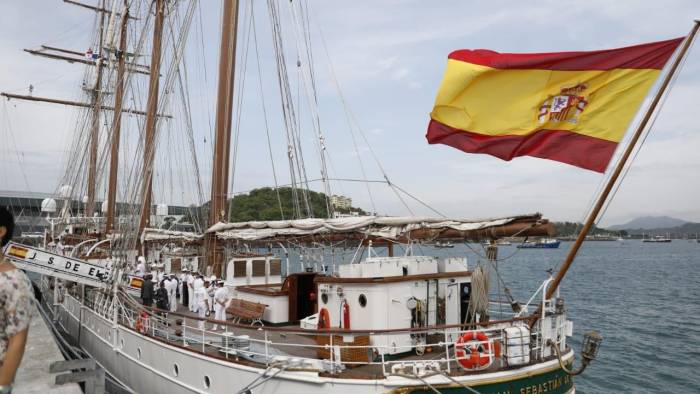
[302, 295]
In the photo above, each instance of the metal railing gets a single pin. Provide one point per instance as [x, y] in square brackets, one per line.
[330, 351]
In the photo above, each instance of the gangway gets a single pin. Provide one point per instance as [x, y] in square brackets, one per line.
[52, 264]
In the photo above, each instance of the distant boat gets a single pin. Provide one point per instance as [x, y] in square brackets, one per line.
[443, 245]
[498, 243]
[657, 239]
[544, 243]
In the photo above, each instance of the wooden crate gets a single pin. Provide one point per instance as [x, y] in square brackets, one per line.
[346, 354]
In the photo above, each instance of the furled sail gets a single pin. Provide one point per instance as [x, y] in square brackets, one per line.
[399, 229]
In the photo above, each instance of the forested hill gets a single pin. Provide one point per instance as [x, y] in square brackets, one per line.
[571, 229]
[263, 204]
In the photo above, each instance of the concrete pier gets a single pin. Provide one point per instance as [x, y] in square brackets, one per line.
[33, 376]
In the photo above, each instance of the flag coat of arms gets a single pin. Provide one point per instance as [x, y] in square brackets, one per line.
[572, 107]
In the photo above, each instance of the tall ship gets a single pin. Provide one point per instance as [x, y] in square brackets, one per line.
[316, 303]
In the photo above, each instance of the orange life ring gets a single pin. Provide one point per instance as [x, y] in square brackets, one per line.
[473, 350]
[324, 319]
[142, 323]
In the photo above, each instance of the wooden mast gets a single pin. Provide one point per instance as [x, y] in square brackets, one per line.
[620, 165]
[117, 122]
[224, 109]
[151, 117]
[95, 124]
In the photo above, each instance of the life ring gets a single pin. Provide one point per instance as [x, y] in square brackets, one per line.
[142, 323]
[473, 351]
[324, 319]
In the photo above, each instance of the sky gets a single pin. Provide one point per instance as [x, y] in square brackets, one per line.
[388, 58]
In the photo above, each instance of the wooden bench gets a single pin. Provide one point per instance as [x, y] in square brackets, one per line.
[246, 310]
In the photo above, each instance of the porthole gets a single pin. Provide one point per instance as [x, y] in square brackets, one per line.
[207, 382]
[324, 298]
[362, 300]
[176, 370]
[138, 353]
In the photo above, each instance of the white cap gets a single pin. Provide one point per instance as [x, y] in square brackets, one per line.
[142, 259]
[213, 278]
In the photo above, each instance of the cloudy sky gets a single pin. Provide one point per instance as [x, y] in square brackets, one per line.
[388, 57]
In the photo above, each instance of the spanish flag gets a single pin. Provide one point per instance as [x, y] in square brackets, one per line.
[572, 107]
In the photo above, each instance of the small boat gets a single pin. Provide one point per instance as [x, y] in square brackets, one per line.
[443, 245]
[657, 239]
[544, 243]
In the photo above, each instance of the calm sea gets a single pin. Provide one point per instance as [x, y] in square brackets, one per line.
[643, 298]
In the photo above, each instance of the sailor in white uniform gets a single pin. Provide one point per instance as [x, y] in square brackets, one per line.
[220, 302]
[202, 304]
[211, 290]
[141, 267]
[172, 292]
[190, 290]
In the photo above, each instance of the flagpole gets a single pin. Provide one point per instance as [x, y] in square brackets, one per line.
[621, 163]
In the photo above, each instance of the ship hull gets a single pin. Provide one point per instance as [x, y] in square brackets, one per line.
[143, 364]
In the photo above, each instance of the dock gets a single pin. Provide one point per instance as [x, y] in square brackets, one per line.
[33, 376]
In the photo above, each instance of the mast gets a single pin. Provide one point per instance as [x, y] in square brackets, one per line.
[95, 124]
[620, 165]
[117, 122]
[151, 117]
[224, 109]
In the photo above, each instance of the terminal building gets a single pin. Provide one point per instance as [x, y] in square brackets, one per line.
[29, 218]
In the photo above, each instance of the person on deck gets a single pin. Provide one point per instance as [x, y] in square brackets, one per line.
[211, 289]
[141, 267]
[190, 289]
[166, 285]
[147, 291]
[196, 284]
[202, 303]
[185, 299]
[162, 299]
[161, 273]
[16, 297]
[220, 302]
[172, 293]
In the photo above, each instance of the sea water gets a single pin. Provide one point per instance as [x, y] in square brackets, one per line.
[644, 298]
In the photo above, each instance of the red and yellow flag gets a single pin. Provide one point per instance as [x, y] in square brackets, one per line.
[572, 107]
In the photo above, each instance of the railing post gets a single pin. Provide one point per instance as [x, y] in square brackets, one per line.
[184, 331]
[447, 351]
[331, 352]
[267, 355]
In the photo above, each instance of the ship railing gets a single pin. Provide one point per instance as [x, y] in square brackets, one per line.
[387, 352]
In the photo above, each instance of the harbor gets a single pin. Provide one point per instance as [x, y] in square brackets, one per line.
[305, 197]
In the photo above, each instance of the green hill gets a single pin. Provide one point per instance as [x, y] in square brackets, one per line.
[263, 204]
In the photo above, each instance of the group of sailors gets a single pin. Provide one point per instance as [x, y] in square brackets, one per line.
[202, 295]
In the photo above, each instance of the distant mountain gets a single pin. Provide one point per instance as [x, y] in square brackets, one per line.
[687, 230]
[650, 223]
